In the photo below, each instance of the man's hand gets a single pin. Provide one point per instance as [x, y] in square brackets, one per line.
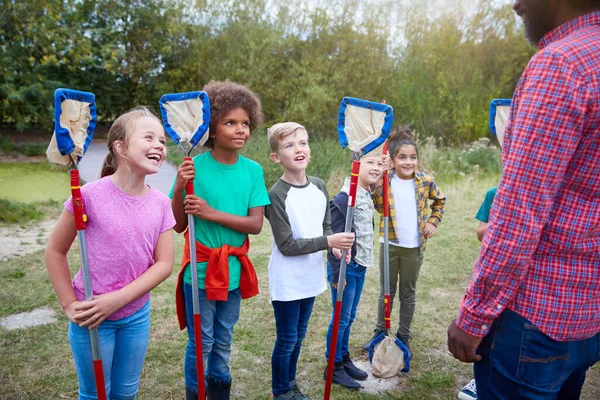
[462, 345]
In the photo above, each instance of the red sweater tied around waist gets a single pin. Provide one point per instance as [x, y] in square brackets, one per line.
[216, 282]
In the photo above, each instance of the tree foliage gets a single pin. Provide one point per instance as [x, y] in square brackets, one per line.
[439, 70]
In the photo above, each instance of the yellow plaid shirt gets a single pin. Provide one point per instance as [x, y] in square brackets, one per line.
[425, 189]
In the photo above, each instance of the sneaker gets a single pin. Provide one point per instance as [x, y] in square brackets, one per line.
[376, 333]
[298, 395]
[469, 392]
[286, 396]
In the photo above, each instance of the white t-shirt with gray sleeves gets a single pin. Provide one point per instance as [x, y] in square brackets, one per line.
[405, 203]
[300, 223]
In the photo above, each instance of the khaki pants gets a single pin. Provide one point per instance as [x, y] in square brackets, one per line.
[405, 265]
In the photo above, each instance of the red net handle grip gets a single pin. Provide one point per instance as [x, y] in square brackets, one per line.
[189, 187]
[386, 208]
[77, 201]
[353, 183]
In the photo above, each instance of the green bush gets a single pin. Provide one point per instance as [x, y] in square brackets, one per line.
[32, 149]
[6, 144]
[475, 158]
[16, 212]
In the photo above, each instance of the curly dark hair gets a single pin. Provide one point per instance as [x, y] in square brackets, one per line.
[225, 96]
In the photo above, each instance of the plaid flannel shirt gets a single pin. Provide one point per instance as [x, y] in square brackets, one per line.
[425, 189]
[541, 253]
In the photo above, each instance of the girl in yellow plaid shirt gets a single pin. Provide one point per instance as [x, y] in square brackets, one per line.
[412, 221]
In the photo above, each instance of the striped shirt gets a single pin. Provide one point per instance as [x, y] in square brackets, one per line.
[541, 253]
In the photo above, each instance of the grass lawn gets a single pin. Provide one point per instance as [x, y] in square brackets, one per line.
[32, 182]
[37, 363]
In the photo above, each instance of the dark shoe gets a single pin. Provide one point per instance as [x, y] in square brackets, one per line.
[286, 396]
[298, 395]
[352, 370]
[190, 394]
[340, 377]
[217, 389]
[376, 333]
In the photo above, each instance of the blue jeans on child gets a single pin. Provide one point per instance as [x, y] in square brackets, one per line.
[520, 361]
[123, 345]
[217, 319]
[355, 280]
[291, 321]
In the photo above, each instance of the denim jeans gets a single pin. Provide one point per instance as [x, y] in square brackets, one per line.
[123, 345]
[521, 362]
[355, 280]
[291, 320]
[217, 320]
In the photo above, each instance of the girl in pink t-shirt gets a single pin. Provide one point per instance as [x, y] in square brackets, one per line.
[130, 251]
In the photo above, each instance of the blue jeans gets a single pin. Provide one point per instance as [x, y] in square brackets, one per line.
[123, 345]
[217, 320]
[519, 361]
[291, 320]
[355, 280]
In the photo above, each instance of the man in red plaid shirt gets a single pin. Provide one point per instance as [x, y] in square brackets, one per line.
[531, 316]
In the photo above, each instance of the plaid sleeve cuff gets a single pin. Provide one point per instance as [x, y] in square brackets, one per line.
[435, 221]
[474, 324]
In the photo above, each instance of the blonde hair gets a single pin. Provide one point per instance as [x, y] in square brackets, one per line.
[121, 130]
[281, 130]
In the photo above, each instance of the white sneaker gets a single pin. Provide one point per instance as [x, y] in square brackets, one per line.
[469, 392]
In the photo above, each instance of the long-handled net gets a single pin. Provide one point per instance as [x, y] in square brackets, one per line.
[74, 124]
[362, 126]
[186, 117]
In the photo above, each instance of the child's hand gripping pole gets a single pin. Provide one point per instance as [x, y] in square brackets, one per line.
[387, 305]
[80, 225]
[341, 280]
[189, 189]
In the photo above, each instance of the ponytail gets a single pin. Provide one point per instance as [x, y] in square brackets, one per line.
[109, 166]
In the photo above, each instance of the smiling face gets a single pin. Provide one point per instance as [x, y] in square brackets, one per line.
[538, 17]
[146, 147]
[370, 171]
[232, 131]
[405, 161]
[293, 151]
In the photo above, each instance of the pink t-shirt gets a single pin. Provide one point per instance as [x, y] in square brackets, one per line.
[121, 236]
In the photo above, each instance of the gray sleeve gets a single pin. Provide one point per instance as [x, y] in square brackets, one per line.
[282, 230]
[327, 231]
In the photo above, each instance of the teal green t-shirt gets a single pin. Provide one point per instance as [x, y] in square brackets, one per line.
[233, 189]
[483, 214]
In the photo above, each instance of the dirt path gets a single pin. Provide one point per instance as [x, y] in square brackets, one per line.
[21, 240]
